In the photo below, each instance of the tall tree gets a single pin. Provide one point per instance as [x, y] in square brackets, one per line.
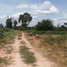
[15, 22]
[25, 18]
[9, 23]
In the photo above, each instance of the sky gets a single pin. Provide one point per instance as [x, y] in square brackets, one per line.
[56, 10]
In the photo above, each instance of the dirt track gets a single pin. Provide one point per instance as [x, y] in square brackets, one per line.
[17, 60]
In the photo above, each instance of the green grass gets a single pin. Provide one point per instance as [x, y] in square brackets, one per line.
[47, 32]
[58, 39]
[8, 37]
[28, 56]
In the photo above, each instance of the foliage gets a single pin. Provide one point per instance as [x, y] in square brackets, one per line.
[1, 33]
[15, 22]
[9, 23]
[46, 32]
[7, 35]
[20, 28]
[24, 19]
[65, 23]
[62, 28]
[45, 25]
[1, 25]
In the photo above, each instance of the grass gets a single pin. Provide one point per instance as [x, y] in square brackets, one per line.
[22, 42]
[19, 38]
[8, 37]
[19, 33]
[4, 61]
[28, 56]
[9, 51]
[47, 32]
[53, 47]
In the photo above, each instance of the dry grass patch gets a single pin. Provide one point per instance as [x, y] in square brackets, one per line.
[55, 52]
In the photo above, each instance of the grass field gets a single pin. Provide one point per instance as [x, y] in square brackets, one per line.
[52, 45]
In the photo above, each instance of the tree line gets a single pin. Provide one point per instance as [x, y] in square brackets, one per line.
[25, 20]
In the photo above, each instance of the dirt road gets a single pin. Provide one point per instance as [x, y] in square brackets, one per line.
[17, 60]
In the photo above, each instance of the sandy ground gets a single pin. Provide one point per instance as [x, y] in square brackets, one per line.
[17, 61]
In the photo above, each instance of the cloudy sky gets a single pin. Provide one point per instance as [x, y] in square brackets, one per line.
[55, 10]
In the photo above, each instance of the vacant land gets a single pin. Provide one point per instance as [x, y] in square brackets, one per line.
[19, 52]
[51, 45]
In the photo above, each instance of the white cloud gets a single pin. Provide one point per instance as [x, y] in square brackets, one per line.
[33, 20]
[2, 17]
[46, 5]
[46, 8]
[55, 20]
[65, 15]
[23, 6]
[34, 17]
[3, 20]
[35, 7]
[15, 16]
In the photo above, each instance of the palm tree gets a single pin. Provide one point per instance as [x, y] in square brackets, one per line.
[25, 18]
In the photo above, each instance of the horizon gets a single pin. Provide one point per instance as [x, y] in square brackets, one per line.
[39, 10]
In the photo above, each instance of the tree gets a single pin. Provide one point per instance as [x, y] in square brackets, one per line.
[9, 23]
[45, 25]
[62, 28]
[1, 25]
[15, 22]
[65, 24]
[25, 18]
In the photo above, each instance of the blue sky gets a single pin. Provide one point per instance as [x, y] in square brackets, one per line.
[55, 10]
